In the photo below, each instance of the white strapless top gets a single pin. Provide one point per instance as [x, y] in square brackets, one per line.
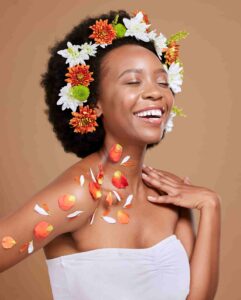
[160, 272]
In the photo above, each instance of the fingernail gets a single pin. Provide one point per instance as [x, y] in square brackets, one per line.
[143, 175]
[151, 198]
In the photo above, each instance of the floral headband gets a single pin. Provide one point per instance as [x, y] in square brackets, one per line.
[76, 91]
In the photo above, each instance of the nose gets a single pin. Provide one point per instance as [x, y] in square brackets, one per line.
[152, 90]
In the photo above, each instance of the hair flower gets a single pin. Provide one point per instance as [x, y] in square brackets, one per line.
[103, 33]
[79, 75]
[76, 92]
[85, 120]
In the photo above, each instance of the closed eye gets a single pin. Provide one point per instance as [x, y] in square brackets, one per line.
[161, 83]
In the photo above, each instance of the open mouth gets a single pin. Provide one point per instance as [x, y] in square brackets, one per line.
[154, 116]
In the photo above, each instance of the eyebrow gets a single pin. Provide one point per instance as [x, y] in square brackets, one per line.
[140, 70]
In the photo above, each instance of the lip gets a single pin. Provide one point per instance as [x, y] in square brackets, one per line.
[162, 108]
[154, 121]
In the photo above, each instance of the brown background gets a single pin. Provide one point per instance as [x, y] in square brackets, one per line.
[205, 145]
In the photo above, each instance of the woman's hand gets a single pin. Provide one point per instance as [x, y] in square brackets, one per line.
[178, 191]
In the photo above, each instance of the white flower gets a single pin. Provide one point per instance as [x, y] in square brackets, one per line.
[152, 35]
[73, 55]
[67, 100]
[89, 49]
[160, 44]
[137, 27]
[169, 125]
[174, 76]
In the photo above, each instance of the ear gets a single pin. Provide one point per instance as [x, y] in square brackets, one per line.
[98, 108]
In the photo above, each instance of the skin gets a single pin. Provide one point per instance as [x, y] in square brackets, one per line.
[175, 197]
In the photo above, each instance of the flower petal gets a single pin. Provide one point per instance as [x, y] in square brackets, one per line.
[66, 201]
[128, 201]
[82, 180]
[115, 152]
[40, 210]
[125, 159]
[93, 216]
[117, 195]
[109, 199]
[122, 217]
[8, 242]
[42, 229]
[119, 180]
[92, 175]
[95, 190]
[109, 219]
[75, 214]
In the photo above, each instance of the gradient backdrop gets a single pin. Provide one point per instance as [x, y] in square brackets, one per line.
[205, 145]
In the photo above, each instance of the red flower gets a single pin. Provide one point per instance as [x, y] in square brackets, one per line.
[103, 33]
[85, 120]
[79, 74]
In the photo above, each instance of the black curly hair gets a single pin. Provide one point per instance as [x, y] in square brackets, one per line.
[54, 79]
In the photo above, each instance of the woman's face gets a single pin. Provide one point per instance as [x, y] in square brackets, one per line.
[133, 79]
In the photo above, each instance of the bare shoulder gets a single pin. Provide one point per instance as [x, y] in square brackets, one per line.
[63, 206]
[185, 229]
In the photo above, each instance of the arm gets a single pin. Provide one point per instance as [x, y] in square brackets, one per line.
[205, 258]
[28, 227]
[185, 230]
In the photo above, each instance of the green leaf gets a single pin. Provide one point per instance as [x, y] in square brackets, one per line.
[178, 111]
[177, 36]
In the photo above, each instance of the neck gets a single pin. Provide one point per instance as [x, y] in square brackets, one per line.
[133, 168]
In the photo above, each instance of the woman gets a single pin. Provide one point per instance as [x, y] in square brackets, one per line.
[111, 227]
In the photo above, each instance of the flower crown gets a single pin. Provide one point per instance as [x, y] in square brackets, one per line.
[76, 91]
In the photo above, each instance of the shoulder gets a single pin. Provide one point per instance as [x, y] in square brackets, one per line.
[185, 229]
[71, 185]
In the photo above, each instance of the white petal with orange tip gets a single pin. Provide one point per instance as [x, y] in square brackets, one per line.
[109, 219]
[40, 210]
[125, 159]
[75, 214]
[30, 247]
[117, 195]
[128, 201]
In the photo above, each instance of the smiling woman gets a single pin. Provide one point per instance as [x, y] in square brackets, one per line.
[110, 227]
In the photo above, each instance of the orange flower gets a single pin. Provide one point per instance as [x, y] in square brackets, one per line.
[94, 189]
[119, 180]
[84, 120]
[172, 53]
[66, 202]
[79, 74]
[115, 152]
[122, 217]
[42, 229]
[103, 33]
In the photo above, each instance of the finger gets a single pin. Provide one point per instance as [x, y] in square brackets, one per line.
[160, 185]
[167, 199]
[169, 175]
[157, 175]
[186, 180]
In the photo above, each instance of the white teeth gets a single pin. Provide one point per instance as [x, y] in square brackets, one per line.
[152, 112]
